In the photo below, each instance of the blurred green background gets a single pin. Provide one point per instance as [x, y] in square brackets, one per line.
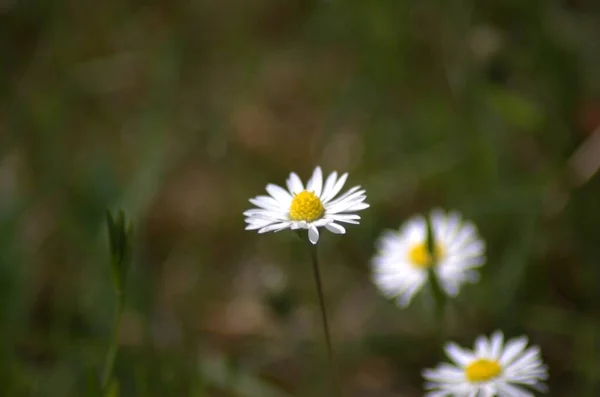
[179, 111]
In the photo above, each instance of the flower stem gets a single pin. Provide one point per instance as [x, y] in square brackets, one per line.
[111, 355]
[438, 294]
[315, 263]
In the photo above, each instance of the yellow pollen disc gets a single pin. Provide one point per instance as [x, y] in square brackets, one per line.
[306, 206]
[482, 370]
[419, 255]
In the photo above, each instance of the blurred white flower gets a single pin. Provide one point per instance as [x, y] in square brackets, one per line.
[307, 207]
[400, 267]
[491, 369]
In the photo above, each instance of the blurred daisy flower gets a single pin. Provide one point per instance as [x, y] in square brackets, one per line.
[307, 207]
[403, 260]
[492, 369]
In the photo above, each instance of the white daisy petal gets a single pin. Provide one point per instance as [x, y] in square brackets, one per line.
[530, 356]
[306, 208]
[349, 195]
[347, 206]
[496, 345]
[274, 227]
[279, 193]
[482, 373]
[328, 187]
[266, 202]
[513, 391]
[259, 217]
[315, 184]
[313, 234]
[512, 350]
[339, 184]
[294, 184]
[345, 218]
[335, 218]
[335, 228]
[458, 354]
[444, 372]
[406, 296]
[358, 207]
[264, 214]
[481, 347]
[257, 225]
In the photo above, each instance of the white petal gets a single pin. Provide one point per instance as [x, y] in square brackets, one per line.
[346, 206]
[353, 192]
[438, 219]
[280, 194]
[335, 228]
[530, 356]
[294, 183]
[259, 224]
[296, 226]
[496, 345]
[334, 218]
[339, 184]
[449, 285]
[353, 219]
[322, 222]
[274, 227]
[508, 390]
[315, 184]
[488, 391]
[265, 214]
[257, 218]
[459, 355]
[467, 233]
[481, 347]
[452, 226]
[444, 373]
[266, 202]
[358, 207]
[406, 297]
[345, 217]
[512, 349]
[313, 234]
[327, 188]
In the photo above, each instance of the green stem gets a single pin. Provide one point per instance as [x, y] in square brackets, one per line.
[315, 263]
[111, 355]
[438, 294]
[440, 305]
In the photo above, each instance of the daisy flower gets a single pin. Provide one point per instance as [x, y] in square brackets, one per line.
[307, 207]
[492, 369]
[401, 265]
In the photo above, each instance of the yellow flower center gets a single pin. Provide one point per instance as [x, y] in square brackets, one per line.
[482, 370]
[419, 255]
[306, 206]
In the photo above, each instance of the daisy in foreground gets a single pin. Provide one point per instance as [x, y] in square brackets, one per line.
[401, 265]
[490, 370]
[307, 207]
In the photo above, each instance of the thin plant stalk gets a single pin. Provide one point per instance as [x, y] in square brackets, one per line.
[438, 294]
[317, 274]
[111, 355]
